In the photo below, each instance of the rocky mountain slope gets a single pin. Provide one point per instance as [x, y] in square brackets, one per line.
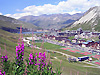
[12, 25]
[55, 21]
[89, 21]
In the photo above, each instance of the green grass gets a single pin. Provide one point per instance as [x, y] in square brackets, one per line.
[83, 26]
[72, 37]
[10, 40]
[49, 45]
[97, 27]
[54, 47]
[57, 48]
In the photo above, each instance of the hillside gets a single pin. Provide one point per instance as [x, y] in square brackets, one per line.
[55, 21]
[89, 21]
[12, 25]
[10, 40]
[8, 37]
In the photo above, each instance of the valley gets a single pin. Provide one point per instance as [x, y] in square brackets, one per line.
[59, 41]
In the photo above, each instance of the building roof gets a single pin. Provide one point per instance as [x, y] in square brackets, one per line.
[89, 41]
[85, 42]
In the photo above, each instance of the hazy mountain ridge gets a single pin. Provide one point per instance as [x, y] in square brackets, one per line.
[55, 21]
[12, 25]
[89, 21]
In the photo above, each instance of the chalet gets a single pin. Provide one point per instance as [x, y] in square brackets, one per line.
[67, 31]
[80, 44]
[74, 40]
[77, 44]
[85, 35]
[89, 43]
[74, 31]
[66, 34]
[63, 40]
[86, 32]
[45, 36]
[40, 30]
[60, 38]
[95, 45]
[51, 37]
[68, 41]
[79, 31]
[82, 35]
[72, 34]
[84, 44]
[99, 43]
[99, 36]
[53, 33]
[95, 33]
[61, 34]
[81, 41]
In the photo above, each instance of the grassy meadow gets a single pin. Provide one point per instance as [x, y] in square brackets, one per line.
[77, 68]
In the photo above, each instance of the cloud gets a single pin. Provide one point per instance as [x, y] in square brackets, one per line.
[73, 12]
[69, 6]
[0, 13]
[18, 15]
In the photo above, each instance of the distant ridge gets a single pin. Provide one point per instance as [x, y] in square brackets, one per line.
[55, 21]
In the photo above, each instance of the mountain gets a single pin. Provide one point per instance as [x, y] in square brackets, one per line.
[55, 21]
[89, 21]
[12, 25]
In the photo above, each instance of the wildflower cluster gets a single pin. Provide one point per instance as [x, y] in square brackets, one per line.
[4, 58]
[42, 60]
[5, 64]
[19, 59]
[38, 65]
[20, 52]
[30, 59]
[2, 73]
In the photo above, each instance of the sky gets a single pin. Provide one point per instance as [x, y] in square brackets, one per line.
[20, 8]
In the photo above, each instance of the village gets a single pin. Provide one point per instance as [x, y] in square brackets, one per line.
[77, 39]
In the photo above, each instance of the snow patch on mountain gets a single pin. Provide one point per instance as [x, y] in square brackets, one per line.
[87, 17]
